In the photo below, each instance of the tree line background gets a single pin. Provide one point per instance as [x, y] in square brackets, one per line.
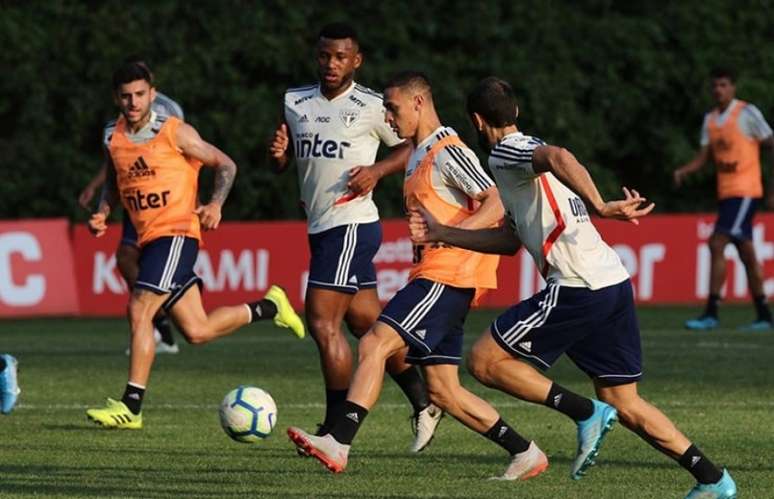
[621, 84]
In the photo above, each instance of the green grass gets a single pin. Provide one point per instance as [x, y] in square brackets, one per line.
[716, 386]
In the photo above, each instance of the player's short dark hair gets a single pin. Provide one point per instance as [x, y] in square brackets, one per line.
[414, 80]
[132, 69]
[495, 101]
[339, 31]
[723, 72]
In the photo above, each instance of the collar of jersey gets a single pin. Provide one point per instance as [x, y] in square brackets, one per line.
[514, 134]
[430, 138]
[342, 94]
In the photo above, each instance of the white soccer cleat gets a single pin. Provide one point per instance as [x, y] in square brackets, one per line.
[423, 424]
[525, 465]
[326, 449]
[161, 347]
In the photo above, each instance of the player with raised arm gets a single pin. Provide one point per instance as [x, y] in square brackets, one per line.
[732, 136]
[445, 178]
[151, 173]
[333, 130]
[587, 309]
[128, 252]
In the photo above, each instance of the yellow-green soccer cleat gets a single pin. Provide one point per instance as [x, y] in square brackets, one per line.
[115, 415]
[286, 316]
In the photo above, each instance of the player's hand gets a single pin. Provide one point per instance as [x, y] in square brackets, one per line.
[629, 209]
[362, 180]
[86, 195]
[98, 223]
[278, 146]
[209, 215]
[423, 227]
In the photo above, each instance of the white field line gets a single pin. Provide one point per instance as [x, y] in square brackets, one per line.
[391, 406]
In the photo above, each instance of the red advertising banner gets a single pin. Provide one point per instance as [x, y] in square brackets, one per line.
[666, 255]
[36, 269]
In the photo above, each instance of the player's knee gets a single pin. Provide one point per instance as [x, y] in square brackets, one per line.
[324, 331]
[194, 334]
[440, 395]
[372, 347]
[717, 245]
[627, 408]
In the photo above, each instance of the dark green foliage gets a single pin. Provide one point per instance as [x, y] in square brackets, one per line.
[621, 84]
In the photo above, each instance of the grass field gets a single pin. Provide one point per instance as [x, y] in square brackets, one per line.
[717, 387]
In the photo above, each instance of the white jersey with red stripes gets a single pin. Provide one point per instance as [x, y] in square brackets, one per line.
[551, 220]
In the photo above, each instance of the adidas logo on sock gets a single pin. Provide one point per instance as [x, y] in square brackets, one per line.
[694, 460]
[557, 400]
[502, 431]
[134, 396]
[354, 417]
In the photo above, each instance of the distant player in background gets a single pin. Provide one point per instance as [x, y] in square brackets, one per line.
[151, 172]
[587, 309]
[128, 252]
[732, 136]
[333, 130]
[9, 384]
[444, 177]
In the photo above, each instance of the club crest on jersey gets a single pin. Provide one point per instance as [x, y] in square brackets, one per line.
[348, 116]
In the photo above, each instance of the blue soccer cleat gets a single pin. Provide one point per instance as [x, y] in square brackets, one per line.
[756, 326]
[703, 323]
[9, 386]
[725, 488]
[591, 433]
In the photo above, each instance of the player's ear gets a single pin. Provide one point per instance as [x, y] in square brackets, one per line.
[152, 94]
[478, 121]
[358, 59]
[517, 111]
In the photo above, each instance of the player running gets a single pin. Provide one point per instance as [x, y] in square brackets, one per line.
[587, 309]
[444, 177]
[333, 130]
[9, 385]
[128, 252]
[151, 173]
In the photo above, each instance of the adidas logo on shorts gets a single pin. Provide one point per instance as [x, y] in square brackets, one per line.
[421, 333]
[526, 346]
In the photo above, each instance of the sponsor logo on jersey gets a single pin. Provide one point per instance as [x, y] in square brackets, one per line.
[303, 119]
[302, 99]
[140, 169]
[578, 209]
[315, 147]
[349, 116]
[357, 101]
[322, 119]
[140, 201]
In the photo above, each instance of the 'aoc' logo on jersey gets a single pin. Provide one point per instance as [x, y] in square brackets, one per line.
[315, 147]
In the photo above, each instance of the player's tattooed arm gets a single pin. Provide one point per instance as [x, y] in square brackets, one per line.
[224, 180]
[192, 145]
[108, 199]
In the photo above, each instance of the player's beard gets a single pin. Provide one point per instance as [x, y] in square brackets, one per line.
[483, 142]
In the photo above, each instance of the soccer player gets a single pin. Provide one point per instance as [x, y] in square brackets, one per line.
[732, 135]
[9, 385]
[333, 130]
[586, 311]
[444, 177]
[128, 252]
[151, 173]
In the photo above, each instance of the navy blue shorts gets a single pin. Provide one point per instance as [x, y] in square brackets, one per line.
[735, 217]
[342, 257]
[128, 232]
[429, 316]
[598, 330]
[166, 267]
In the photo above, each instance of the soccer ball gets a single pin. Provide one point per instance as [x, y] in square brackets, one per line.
[248, 414]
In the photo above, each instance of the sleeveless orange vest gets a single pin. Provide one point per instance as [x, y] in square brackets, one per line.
[441, 263]
[736, 157]
[157, 184]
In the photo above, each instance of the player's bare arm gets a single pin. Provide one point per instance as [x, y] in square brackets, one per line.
[424, 228]
[109, 198]
[280, 151]
[563, 164]
[193, 146]
[363, 179]
[88, 192]
[692, 166]
[489, 213]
